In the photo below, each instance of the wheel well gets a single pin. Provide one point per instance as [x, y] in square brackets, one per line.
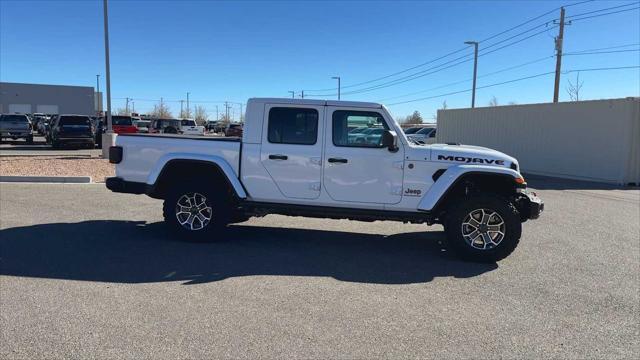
[176, 171]
[483, 183]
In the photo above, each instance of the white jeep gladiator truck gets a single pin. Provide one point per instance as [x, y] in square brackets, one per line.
[296, 158]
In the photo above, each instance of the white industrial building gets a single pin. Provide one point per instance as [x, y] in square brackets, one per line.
[47, 99]
[595, 140]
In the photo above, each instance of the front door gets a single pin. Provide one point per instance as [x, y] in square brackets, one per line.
[291, 150]
[356, 166]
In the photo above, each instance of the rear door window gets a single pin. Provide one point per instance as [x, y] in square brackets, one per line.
[293, 126]
[14, 118]
[122, 120]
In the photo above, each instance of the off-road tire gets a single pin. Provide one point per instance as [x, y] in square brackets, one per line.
[218, 201]
[459, 210]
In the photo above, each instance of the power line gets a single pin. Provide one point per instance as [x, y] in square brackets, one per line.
[516, 80]
[603, 52]
[423, 74]
[603, 9]
[607, 48]
[609, 13]
[466, 80]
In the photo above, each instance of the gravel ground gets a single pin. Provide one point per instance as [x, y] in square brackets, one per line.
[97, 168]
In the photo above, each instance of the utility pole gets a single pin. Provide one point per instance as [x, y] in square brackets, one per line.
[302, 92]
[226, 109]
[133, 106]
[217, 117]
[338, 78]
[293, 94]
[241, 118]
[475, 70]
[126, 107]
[559, 39]
[188, 108]
[181, 110]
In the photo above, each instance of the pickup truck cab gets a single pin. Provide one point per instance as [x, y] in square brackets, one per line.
[190, 127]
[296, 158]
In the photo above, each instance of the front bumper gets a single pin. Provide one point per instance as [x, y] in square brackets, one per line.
[530, 205]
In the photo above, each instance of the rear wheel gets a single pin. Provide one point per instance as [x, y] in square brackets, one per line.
[195, 212]
[483, 228]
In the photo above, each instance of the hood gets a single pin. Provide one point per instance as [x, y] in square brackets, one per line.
[461, 155]
[471, 155]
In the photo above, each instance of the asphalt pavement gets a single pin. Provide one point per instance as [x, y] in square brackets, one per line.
[85, 273]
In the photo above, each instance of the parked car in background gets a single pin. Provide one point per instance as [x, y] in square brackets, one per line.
[41, 127]
[233, 130]
[72, 130]
[36, 119]
[16, 126]
[164, 126]
[142, 125]
[190, 127]
[426, 135]
[411, 130]
[123, 124]
[47, 128]
[98, 129]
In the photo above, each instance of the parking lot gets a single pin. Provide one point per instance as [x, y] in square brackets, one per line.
[85, 272]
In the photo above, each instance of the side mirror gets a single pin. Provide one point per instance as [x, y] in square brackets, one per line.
[390, 140]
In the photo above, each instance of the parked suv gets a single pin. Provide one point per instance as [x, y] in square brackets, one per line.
[123, 124]
[233, 130]
[72, 130]
[164, 126]
[16, 126]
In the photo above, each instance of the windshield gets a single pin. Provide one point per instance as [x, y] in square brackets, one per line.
[234, 126]
[75, 120]
[188, 123]
[143, 123]
[412, 130]
[424, 131]
[122, 120]
[14, 118]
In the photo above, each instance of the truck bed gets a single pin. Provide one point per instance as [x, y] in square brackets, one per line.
[144, 155]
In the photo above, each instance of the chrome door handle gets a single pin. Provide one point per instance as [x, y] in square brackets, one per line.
[338, 160]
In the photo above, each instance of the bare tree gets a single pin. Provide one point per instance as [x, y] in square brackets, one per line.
[201, 115]
[574, 89]
[161, 111]
[414, 118]
[493, 101]
[444, 105]
[122, 111]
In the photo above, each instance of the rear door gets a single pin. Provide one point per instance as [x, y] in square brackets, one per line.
[291, 150]
[356, 166]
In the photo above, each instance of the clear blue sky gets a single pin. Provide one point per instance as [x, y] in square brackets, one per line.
[235, 50]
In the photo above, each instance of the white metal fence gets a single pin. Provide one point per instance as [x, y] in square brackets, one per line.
[591, 140]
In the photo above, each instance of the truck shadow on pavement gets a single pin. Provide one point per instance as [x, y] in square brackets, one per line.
[135, 252]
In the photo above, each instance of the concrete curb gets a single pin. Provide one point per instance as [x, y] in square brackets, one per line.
[48, 179]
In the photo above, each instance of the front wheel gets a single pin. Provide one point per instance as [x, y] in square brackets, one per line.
[195, 213]
[483, 228]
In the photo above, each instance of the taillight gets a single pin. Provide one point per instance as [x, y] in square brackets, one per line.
[115, 154]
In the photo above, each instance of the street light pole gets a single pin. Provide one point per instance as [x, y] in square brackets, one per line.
[108, 71]
[338, 78]
[188, 109]
[475, 70]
